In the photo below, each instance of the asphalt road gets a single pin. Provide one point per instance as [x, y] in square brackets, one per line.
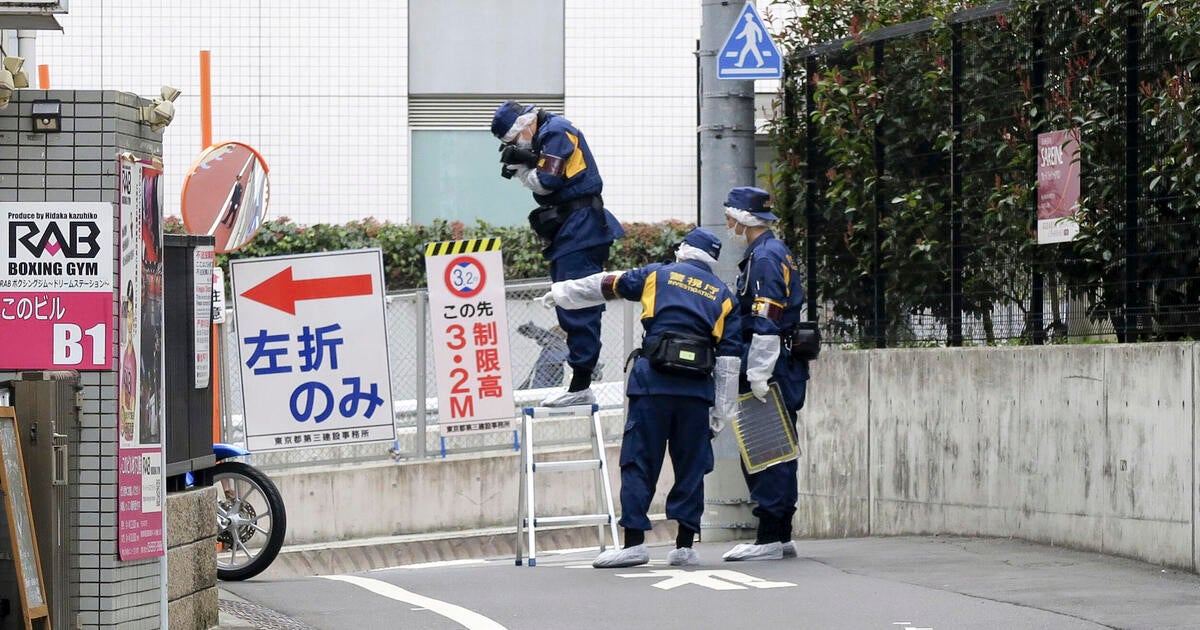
[901, 583]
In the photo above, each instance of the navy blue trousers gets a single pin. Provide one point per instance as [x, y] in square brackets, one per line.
[583, 325]
[655, 424]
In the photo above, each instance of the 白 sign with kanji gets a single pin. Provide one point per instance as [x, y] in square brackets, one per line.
[470, 336]
[312, 338]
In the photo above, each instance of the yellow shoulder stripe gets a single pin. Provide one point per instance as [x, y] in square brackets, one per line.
[575, 162]
[718, 331]
[648, 291]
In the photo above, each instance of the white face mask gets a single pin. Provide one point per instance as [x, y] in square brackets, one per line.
[736, 238]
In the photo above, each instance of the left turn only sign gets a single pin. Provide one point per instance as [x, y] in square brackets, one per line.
[312, 339]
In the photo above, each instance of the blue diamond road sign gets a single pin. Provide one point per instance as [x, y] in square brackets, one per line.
[748, 52]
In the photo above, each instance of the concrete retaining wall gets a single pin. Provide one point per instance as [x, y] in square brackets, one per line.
[461, 492]
[191, 559]
[1088, 446]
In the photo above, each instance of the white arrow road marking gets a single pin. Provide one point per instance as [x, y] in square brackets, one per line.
[468, 619]
[719, 580]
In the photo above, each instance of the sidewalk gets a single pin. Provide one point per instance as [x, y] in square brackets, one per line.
[229, 605]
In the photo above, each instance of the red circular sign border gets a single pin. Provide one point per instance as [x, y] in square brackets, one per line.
[482, 276]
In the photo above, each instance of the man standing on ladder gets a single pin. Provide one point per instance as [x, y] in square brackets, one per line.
[689, 315]
[550, 157]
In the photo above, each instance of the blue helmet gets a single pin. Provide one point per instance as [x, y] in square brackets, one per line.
[704, 241]
[756, 201]
[506, 115]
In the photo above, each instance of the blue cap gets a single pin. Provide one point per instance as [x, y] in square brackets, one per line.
[704, 241]
[756, 201]
[506, 115]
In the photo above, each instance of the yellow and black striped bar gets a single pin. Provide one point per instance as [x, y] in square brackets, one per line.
[462, 247]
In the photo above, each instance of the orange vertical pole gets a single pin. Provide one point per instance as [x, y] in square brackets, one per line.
[214, 381]
[205, 142]
[205, 99]
[43, 77]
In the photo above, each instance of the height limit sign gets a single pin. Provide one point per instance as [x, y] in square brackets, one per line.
[470, 336]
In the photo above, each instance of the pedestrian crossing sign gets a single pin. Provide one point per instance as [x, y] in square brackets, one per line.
[749, 52]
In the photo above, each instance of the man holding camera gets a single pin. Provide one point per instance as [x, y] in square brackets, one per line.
[777, 349]
[550, 157]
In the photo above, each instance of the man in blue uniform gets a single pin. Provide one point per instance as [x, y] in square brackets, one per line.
[688, 364]
[550, 157]
[770, 296]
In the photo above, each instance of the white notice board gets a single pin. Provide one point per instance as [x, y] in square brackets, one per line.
[469, 319]
[312, 340]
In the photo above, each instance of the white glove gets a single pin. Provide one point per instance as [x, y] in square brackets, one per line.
[547, 300]
[580, 292]
[716, 423]
[760, 389]
[761, 358]
[725, 387]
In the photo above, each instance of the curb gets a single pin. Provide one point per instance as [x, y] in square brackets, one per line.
[381, 553]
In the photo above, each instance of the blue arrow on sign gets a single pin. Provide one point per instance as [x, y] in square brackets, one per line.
[749, 52]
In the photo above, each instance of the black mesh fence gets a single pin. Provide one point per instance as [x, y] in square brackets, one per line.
[914, 186]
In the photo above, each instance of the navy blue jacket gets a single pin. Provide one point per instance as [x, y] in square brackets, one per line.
[567, 169]
[770, 293]
[684, 297]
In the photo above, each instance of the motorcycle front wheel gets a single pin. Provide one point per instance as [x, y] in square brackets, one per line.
[251, 521]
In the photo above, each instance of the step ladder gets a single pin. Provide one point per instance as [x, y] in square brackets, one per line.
[527, 520]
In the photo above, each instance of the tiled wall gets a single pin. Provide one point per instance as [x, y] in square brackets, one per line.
[320, 90]
[631, 88]
[80, 164]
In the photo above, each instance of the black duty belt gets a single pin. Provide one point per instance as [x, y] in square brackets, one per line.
[590, 201]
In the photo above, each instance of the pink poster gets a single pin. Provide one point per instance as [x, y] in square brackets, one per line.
[140, 406]
[56, 286]
[1058, 186]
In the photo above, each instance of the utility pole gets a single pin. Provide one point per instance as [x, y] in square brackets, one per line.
[726, 160]
[726, 128]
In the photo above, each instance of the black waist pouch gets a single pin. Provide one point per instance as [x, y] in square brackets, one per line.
[684, 355]
[546, 221]
[806, 341]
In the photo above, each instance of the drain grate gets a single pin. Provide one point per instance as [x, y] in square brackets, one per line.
[263, 618]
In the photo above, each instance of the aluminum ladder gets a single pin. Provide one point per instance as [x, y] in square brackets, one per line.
[527, 520]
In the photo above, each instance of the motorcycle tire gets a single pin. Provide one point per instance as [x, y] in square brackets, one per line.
[251, 520]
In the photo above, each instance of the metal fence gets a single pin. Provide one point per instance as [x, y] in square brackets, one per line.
[913, 194]
[411, 358]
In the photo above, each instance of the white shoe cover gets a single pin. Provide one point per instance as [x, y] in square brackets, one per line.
[745, 551]
[789, 549]
[683, 557]
[568, 399]
[620, 558]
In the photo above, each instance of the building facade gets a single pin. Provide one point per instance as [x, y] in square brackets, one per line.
[383, 111]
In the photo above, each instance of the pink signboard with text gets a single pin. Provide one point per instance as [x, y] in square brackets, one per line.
[1058, 186]
[56, 286]
[141, 491]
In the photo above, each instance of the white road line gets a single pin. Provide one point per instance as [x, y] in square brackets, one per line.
[466, 618]
[430, 565]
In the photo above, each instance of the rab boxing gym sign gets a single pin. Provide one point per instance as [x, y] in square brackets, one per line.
[56, 286]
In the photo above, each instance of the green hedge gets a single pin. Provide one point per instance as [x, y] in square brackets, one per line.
[403, 245]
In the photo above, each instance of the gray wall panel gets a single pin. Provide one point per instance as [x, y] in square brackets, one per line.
[486, 47]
